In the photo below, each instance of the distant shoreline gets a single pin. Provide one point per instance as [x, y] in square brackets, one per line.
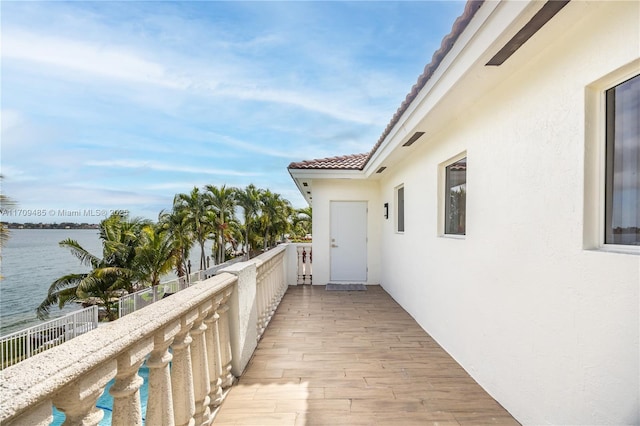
[62, 225]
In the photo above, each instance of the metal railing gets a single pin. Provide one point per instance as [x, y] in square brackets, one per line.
[132, 302]
[138, 300]
[23, 344]
[210, 272]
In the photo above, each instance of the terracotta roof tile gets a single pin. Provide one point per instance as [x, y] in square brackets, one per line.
[344, 162]
[459, 26]
[358, 161]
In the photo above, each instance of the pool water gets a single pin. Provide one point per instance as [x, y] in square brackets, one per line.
[105, 402]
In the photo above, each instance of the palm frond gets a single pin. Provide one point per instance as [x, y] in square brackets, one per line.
[80, 252]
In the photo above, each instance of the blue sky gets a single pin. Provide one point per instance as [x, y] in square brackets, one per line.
[121, 105]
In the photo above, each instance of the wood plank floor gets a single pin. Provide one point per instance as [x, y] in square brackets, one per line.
[353, 358]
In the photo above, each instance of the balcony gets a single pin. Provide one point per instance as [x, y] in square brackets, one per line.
[326, 357]
[353, 358]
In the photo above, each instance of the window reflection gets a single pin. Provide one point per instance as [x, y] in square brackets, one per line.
[456, 194]
[622, 208]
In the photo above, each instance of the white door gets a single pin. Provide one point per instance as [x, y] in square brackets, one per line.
[348, 241]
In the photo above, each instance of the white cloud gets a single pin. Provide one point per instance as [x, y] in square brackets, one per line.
[335, 106]
[103, 60]
[152, 165]
[10, 118]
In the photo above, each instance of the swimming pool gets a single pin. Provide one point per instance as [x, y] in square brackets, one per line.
[105, 402]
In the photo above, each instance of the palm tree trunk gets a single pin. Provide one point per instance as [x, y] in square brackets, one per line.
[247, 248]
[202, 257]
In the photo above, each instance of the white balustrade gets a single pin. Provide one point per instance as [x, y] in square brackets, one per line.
[193, 344]
[304, 260]
[271, 285]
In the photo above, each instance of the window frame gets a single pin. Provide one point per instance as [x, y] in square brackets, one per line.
[610, 149]
[443, 197]
[396, 191]
[595, 170]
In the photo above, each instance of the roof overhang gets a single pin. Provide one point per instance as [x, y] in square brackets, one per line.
[458, 79]
[304, 178]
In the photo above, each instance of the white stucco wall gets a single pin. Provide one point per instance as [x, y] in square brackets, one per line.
[547, 327]
[325, 191]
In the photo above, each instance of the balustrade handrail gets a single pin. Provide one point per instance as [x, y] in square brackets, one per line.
[39, 377]
[208, 332]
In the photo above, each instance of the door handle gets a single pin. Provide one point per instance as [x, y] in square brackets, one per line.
[334, 245]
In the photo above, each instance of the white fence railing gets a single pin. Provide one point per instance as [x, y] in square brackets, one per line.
[23, 344]
[138, 300]
[210, 272]
[194, 343]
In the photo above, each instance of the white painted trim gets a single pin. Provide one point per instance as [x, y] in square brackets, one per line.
[595, 160]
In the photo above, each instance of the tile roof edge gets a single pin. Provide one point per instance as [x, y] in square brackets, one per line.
[307, 165]
[447, 43]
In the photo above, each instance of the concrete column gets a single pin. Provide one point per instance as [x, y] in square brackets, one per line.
[200, 365]
[127, 410]
[243, 315]
[213, 355]
[184, 405]
[225, 342]
[78, 399]
[160, 403]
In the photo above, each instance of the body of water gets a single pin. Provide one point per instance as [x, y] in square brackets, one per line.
[32, 260]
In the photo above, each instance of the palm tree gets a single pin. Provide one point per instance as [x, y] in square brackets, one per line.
[222, 201]
[274, 219]
[194, 208]
[156, 254]
[176, 226]
[109, 274]
[302, 221]
[249, 200]
[120, 238]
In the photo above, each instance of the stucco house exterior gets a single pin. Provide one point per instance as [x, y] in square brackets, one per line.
[501, 206]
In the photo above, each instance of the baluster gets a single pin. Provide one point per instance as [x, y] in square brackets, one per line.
[214, 356]
[78, 399]
[225, 342]
[126, 389]
[260, 301]
[280, 281]
[310, 265]
[200, 364]
[160, 398]
[182, 373]
[302, 257]
[274, 287]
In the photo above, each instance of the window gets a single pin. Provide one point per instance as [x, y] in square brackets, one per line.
[455, 197]
[622, 186]
[400, 212]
